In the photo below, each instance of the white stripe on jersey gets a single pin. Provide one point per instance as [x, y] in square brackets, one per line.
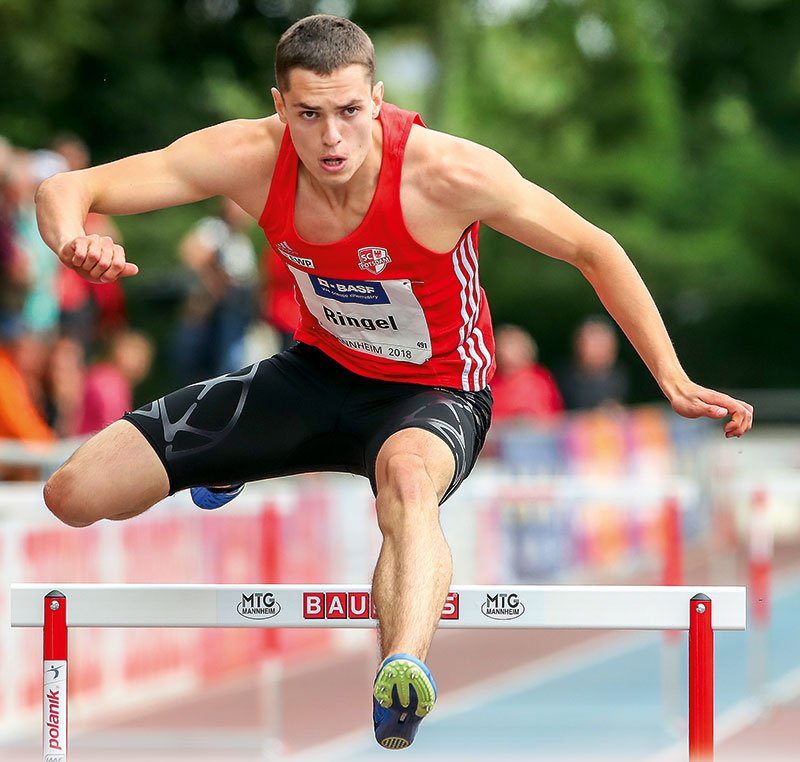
[466, 270]
[465, 318]
[467, 366]
[477, 331]
[485, 352]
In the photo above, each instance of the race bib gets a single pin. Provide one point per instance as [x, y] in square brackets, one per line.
[381, 318]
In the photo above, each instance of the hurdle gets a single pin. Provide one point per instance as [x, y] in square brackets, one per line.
[56, 608]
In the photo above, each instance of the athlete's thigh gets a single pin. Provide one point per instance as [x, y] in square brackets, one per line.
[458, 419]
[262, 421]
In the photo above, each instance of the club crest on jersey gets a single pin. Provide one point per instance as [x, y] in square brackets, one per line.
[373, 258]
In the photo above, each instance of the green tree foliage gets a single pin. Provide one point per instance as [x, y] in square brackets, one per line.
[131, 76]
[673, 124]
[666, 124]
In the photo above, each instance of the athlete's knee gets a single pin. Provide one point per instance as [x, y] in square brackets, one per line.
[115, 475]
[406, 491]
[66, 499]
[406, 477]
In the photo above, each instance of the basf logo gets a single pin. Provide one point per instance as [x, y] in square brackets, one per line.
[258, 606]
[503, 606]
[356, 605]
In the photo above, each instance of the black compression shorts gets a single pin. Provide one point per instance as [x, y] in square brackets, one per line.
[300, 411]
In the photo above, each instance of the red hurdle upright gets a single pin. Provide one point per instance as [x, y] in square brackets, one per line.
[54, 741]
[701, 680]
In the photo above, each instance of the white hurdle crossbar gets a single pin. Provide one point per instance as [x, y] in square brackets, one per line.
[700, 610]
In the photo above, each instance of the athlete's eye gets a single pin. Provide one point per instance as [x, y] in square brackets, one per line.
[308, 114]
[352, 110]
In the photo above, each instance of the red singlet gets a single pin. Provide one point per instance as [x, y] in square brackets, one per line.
[377, 301]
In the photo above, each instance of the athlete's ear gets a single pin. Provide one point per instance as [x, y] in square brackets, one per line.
[377, 99]
[280, 106]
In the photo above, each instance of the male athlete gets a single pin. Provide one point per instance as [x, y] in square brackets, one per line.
[377, 219]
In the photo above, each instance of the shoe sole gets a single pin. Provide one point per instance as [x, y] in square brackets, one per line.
[394, 743]
[403, 675]
[212, 500]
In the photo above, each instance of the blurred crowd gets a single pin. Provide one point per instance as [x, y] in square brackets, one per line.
[70, 361]
[229, 292]
[524, 390]
[69, 358]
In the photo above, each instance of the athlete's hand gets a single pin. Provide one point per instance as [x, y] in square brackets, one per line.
[693, 401]
[97, 259]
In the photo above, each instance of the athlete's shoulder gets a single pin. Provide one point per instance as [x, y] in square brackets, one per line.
[234, 159]
[241, 141]
[452, 170]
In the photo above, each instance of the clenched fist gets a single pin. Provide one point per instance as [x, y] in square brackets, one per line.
[97, 259]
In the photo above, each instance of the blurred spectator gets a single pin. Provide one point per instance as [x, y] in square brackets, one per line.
[12, 266]
[31, 352]
[19, 416]
[222, 300]
[72, 150]
[110, 383]
[40, 310]
[278, 305]
[522, 388]
[45, 163]
[65, 383]
[594, 378]
[88, 310]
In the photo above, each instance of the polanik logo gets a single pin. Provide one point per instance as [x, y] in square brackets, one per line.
[503, 606]
[258, 606]
[373, 258]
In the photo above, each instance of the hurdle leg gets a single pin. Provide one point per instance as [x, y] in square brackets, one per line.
[54, 718]
[761, 553]
[701, 680]
[271, 719]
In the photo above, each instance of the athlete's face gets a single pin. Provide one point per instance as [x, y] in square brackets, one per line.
[330, 119]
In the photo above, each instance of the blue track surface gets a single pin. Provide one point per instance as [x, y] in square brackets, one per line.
[607, 704]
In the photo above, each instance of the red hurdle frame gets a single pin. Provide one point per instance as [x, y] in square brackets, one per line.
[701, 679]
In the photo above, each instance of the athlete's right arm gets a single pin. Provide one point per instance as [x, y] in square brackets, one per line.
[227, 159]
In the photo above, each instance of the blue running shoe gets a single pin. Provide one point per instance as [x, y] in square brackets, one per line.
[214, 497]
[403, 695]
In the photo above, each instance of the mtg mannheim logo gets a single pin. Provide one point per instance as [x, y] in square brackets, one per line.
[503, 606]
[258, 606]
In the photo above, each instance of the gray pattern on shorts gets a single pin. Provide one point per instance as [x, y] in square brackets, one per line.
[171, 429]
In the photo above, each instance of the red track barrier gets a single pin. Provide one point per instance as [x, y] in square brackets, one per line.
[761, 552]
[673, 543]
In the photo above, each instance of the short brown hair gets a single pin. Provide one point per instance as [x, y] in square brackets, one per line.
[322, 44]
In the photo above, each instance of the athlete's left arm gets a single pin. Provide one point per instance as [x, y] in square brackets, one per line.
[516, 207]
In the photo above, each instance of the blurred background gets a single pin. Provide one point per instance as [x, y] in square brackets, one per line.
[671, 124]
